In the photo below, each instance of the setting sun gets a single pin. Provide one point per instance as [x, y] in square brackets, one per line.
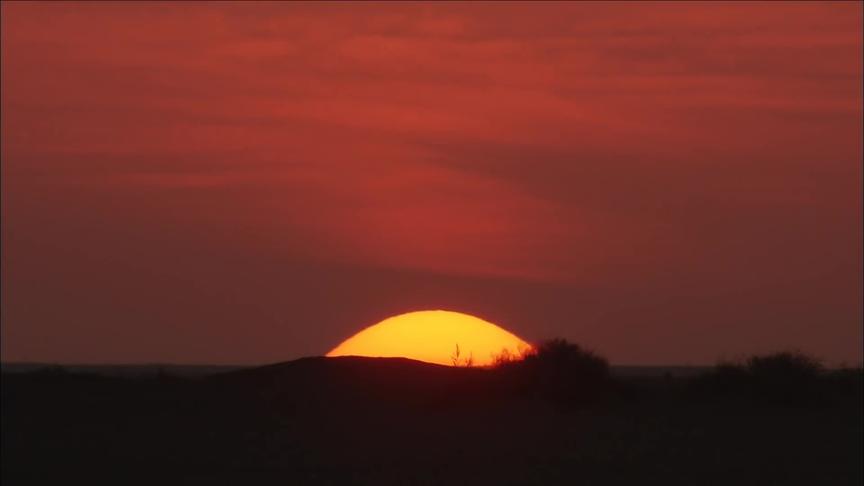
[434, 336]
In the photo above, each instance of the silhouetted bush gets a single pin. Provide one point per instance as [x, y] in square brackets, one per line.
[557, 370]
[458, 360]
[785, 366]
[784, 378]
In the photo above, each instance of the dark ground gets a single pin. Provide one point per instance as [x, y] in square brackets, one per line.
[395, 421]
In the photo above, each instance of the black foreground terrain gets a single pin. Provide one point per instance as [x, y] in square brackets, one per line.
[396, 421]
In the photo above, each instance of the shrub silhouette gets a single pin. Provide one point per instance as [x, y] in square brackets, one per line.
[788, 377]
[457, 360]
[787, 365]
[557, 370]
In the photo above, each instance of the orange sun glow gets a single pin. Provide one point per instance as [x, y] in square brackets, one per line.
[433, 336]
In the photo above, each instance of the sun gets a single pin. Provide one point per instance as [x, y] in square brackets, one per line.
[433, 336]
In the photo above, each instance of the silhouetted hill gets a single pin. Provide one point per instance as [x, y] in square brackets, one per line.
[346, 371]
[325, 382]
[199, 371]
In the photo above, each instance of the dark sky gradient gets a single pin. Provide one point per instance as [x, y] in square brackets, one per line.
[245, 183]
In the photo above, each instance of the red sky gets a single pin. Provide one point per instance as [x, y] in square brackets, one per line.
[246, 183]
